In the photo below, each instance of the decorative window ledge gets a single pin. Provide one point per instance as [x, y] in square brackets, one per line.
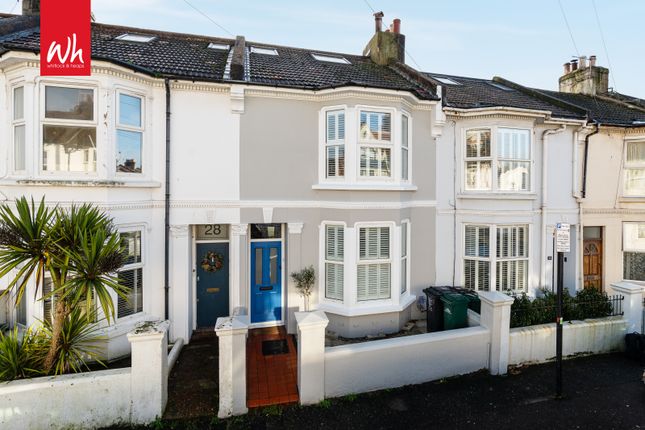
[371, 307]
[81, 183]
[631, 199]
[492, 195]
[364, 187]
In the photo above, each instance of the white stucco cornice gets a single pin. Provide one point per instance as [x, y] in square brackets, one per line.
[16, 62]
[502, 112]
[409, 100]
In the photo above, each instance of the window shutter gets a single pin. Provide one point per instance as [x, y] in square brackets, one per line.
[331, 126]
[374, 279]
[334, 254]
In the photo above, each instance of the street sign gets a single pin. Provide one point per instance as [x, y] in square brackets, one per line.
[562, 237]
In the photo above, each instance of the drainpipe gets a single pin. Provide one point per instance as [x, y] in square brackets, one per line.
[584, 161]
[543, 208]
[575, 193]
[167, 205]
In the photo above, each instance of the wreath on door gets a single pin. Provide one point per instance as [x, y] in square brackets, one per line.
[212, 261]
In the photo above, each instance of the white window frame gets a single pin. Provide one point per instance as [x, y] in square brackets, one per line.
[492, 258]
[627, 248]
[15, 123]
[514, 258]
[404, 255]
[631, 166]
[352, 179]
[326, 261]
[125, 127]
[407, 149]
[340, 143]
[43, 121]
[377, 144]
[377, 261]
[495, 160]
[134, 266]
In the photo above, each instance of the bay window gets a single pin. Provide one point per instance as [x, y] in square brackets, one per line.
[131, 275]
[364, 267]
[334, 261]
[634, 184]
[634, 251]
[498, 159]
[510, 258]
[374, 265]
[19, 161]
[69, 130]
[129, 134]
[363, 147]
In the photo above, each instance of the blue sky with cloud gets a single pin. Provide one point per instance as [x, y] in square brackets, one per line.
[525, 41]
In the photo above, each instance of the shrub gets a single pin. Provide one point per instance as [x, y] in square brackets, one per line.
[21, 356]
[588, 303]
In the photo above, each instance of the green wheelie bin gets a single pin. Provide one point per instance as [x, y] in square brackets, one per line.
[455, 311]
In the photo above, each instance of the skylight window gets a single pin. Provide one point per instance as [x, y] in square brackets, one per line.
[265, 51]
[446, 81]
[139, 38]
[500, 86]
[221, 46]
[330, 59]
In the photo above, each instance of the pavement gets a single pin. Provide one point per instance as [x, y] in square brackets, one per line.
[600, 392]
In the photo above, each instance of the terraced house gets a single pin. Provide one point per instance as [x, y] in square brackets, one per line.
[257, 160]
[229, 164]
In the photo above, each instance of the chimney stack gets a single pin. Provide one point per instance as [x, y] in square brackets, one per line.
[31, 7]
[386, 47]
[581, 77]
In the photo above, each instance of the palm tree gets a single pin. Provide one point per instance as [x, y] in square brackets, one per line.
[80, 250]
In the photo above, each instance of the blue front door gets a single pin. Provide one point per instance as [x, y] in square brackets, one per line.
[212, 283]
[266, 282]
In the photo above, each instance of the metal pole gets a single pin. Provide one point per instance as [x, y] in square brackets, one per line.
[558, 320]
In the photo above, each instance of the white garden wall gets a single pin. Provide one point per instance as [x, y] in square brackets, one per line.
[87, 400]
[134, 395]
[536, 344]
[389, 363]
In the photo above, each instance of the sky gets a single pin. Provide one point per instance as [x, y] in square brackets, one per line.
[526, 41]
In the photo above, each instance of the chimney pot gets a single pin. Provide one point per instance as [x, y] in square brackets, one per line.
[378, 19]
[567, 68]
[592, 61]
[574, 65]
[396, 26]
[583, 62]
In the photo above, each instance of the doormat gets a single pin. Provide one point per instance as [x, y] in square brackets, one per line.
[275, 347]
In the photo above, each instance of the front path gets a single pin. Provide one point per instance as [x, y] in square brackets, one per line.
[192, 385]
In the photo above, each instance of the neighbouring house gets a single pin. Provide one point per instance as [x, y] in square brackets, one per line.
[608, 173]
[278, 158]
[507, 176]
[612, 187]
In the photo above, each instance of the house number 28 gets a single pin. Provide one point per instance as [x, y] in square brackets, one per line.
[213, 230]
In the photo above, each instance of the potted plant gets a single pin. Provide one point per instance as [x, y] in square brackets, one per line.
[304, 280]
